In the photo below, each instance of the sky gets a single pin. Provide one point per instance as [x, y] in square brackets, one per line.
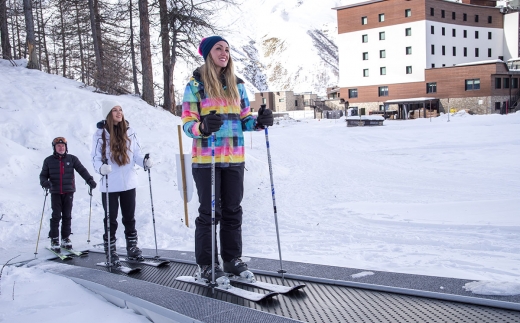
[437, 197]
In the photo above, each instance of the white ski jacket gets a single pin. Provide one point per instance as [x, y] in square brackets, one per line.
[122, 178]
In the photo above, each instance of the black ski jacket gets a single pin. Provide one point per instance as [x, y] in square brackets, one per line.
[59, 170]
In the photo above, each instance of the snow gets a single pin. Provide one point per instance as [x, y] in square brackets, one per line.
[422, 197]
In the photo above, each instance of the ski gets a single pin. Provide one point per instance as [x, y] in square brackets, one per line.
[77, 253]
[121, 268]
[147, 261]
[252, 296]
[60, 255]
[281, 289]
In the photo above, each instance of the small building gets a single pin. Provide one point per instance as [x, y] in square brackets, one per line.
[283, 101]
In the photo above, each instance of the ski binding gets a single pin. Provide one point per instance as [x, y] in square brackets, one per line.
[146, 261]
[224, 286]
[124, 269]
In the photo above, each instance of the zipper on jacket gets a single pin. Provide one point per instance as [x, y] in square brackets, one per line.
[62, 171]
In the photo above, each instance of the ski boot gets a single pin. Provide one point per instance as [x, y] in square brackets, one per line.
[132, 251]
[66, 243]
[114, 257]
[204, 274]
[55, 245]
[239, 268]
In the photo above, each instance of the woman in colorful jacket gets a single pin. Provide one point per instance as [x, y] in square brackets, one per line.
[115, 151]
[215, 102]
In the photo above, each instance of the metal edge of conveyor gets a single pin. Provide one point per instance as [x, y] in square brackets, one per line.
[153, 312]
[382, 288]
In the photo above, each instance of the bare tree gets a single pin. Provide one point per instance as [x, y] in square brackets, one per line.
[96, 36]
[132, 50]
[29, 29]
[4, 31]
[146, 54]
[168, 88]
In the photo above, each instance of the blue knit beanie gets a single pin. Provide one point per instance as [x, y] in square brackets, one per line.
[206, 44]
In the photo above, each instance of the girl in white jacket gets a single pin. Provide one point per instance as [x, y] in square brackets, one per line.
[115, 151]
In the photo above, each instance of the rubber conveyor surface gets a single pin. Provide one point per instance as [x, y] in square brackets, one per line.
[318, 302]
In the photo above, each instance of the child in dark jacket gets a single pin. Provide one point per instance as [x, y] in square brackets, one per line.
[57, 176]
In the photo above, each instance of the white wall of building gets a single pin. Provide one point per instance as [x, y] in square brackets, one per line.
[511, 35]
[459, 42]
[351, 49]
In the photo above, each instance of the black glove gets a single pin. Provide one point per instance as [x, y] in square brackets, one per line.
[91, 183]
[46, 185]
[212, 123]
[265, 117]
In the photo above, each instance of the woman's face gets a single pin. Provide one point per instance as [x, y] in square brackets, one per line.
[220, 54]
[117, 114]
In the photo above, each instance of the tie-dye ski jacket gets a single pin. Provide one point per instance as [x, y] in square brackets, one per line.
[237, 118]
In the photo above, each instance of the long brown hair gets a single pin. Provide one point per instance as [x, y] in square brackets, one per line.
[213, 85]
[118, 140]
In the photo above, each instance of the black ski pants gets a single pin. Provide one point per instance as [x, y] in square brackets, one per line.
[61, 210]
[229, 190]
[127, 201]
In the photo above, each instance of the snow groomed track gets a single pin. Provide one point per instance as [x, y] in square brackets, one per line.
[331, 295]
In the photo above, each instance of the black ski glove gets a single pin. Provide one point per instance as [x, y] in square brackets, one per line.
[265, 117]
[91, 183]
[46, 185]
[212, 123]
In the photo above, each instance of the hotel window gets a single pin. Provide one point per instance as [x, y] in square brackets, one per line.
[465, 34]
[490, 19]
[432, 30]
[453, 16]
[472, 85]
[381, 17]
[454, 32]
[382, 53]
[408, 32]
[443, 13]
[408, 70]
[383, 91]
[295, 103]
[514, 83]
[476, 18]
[281, 100]
[382, 35]
[443, 50]
[464, 17]
[364, 20]
[365, 72]
[506, 83]
[408, 12]
[432, 12]
[433, 50]
[352, 93]
[382, 70]
[454, 51]
[433, 65]
[431, 87]
[409, 50]
[364, 38]
[489, 52]
[264, 101]
[476, 34]
[365, 56]
[443, 31]
[498, 83]
[465, 52]
[476, 52]
[489, 35]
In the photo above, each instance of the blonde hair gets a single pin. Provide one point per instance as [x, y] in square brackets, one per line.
[118, 140]
[212, 81]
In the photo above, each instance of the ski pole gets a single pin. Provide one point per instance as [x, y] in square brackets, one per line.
[90, 214]
[151, 200]
[281, 271]
[107, 227]
[212, 139]
[41, 220]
